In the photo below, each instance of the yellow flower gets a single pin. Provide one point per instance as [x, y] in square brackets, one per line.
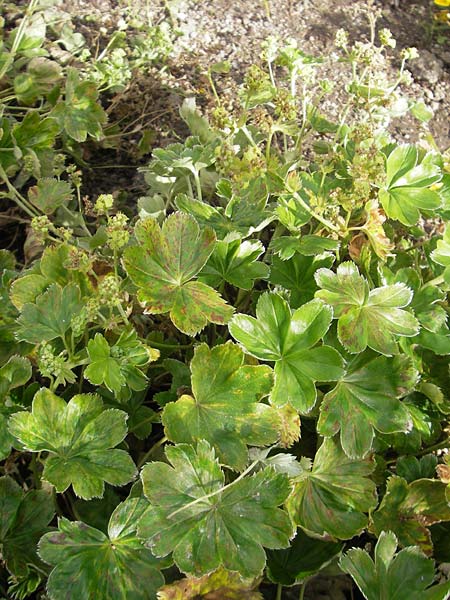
[443, 3]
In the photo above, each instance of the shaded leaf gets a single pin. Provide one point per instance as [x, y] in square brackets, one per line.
[15, 373]
[333, 497]
[207, 525]
[297, 275]
[79, 437]
[409, 509]
[80, 113]
[89, 564]
[306, 556]
[24, 517]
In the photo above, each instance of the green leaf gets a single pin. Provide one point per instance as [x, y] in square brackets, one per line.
[306, 556]
[119, 365]
[288, 339]
[333, 497]
[308, 245]
[181, 378]
[89, 564]
[409, 509]
[49, 194]
[79, 437]
[297, 275]
[366, 318]
[80, 114]
[412, 468]
[407, 187]
[405, 575]
[23, 519]
[224, 408]
[163, 266]
[103, 368]
[27, 288]
[15, 373]
[235, 262]
[441, 255]
[197, 124]
[366, 398]
[240, 216]
[206, 524]
[421, 111]
[50, 315]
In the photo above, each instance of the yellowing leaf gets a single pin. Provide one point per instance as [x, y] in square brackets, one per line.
[224, 408]
[163, 266]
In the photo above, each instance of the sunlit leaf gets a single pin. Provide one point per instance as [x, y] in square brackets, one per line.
[224, 408]
[334, 496]
[163, 266]
[289, 339]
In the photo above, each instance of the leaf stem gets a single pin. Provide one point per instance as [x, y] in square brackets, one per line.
[302, 589]
[279, 592]
[219, 491]
[319, 218]
[147, 455]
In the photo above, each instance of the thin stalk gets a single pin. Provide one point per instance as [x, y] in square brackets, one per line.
[219, 491]
[279, 592]
[153, 449]
[198, 186]
[163, 346]
[18, 38]
[302, 590]
[17, 197]
[325, 222]
[213, 87]
[436, 281]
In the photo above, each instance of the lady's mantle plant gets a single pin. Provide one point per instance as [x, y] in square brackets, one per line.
[251, 377]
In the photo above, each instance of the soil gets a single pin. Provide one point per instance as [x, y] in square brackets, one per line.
[233, 30]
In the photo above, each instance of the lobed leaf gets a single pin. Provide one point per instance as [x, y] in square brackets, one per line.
[80, 437]
[207, 525]
[89, 564]
[163, 267]
[333, 498]
[288, 339]
[224, 408]
[366, 318]
[365, 399]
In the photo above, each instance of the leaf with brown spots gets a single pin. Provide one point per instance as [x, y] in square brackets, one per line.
[409, 509]
[206, 524]
[332, 498]
[89, 564]
[366, 399]
[163, 266]
[224, 407]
